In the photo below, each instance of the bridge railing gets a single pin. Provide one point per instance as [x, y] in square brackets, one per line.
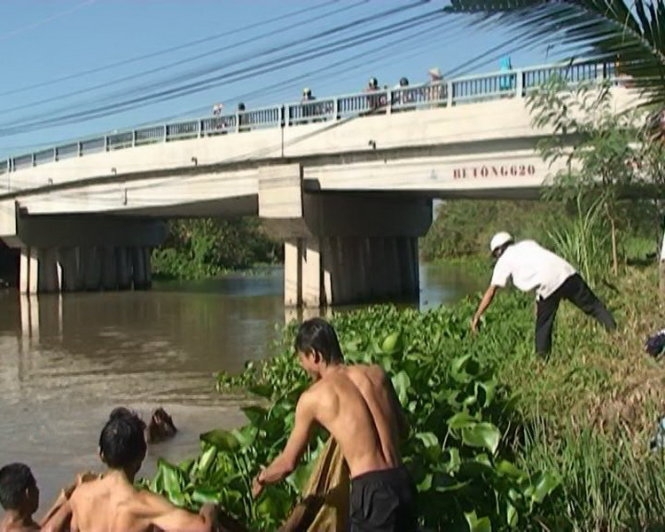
[468, 89]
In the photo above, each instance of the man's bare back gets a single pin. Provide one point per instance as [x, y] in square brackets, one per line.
[112, 504]
[357, 405]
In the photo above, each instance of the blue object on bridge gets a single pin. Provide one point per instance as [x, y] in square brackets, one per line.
[506, 83]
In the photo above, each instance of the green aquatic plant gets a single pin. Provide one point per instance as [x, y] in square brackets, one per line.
[463, 427]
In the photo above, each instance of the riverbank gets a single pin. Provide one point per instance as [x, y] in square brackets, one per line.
[508, 438]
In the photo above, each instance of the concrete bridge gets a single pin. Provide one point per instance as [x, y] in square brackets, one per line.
[347, 183]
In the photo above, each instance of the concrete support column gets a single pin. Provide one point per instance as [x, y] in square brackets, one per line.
[351, 270]
[292, 273]
[147, 264]
[139, 268]
[47, 271]
[407, 252]
[29, 271]
[70, 276]
[123, 268]
[91, 268]
[109, 268]
[311, 273]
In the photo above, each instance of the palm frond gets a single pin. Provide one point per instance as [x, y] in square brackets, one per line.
[604, 30]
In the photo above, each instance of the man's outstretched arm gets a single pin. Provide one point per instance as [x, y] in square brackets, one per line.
[169, 518]
[282, 466]
[485, 302]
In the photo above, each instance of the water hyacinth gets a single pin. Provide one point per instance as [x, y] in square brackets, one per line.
[460, 449]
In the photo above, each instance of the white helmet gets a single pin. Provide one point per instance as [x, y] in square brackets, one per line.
[499, 240]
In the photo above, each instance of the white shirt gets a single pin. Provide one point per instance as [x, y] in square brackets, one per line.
[531, 267]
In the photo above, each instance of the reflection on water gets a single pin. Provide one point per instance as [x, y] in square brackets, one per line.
[66, 361]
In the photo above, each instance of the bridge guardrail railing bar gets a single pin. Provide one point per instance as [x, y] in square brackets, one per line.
[467, 89]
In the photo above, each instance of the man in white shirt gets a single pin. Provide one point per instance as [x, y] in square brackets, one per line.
[532, 267]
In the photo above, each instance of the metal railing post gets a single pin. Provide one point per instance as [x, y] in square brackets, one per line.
[165, 136]
[335, 109]
[55, 154]
[79, 149]
[33, 159]
[133, 138]
[106, 143]
[237, 122]
[519, 83]
[449, 89]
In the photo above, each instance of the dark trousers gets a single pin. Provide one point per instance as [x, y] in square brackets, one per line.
[575, 290]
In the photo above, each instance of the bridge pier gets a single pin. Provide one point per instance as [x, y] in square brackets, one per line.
[341, 248]
[88, 268]
[349, 270]
[69, 253]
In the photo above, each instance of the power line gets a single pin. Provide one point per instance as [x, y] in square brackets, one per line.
[343, 66]
[46, 20]
[119, 81]
[165, 51]
[233, 76]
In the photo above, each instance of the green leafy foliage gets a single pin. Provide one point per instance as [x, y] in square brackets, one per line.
[206, 247]
[462, 426]
[609, 158]
[463, 228]
[605, 30]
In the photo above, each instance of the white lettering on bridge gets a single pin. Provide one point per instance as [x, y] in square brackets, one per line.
[503, 170]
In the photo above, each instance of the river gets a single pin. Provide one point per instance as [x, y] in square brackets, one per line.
[65, 362]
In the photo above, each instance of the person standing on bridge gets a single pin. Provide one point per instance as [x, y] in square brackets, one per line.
[532, 267]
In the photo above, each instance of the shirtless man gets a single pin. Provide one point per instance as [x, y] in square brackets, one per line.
[359, 407]
[112, 504]
[19, 496]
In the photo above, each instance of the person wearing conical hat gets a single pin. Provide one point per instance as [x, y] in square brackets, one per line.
[531, 267]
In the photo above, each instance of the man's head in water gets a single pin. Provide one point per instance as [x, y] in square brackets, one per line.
[122, 442]
[317, 346]
[18, 490]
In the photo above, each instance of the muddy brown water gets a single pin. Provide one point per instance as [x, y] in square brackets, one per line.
[65, 362]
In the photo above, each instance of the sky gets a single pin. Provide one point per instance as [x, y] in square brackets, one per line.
[144, 55]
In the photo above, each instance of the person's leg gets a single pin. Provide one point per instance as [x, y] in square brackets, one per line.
[545, 314]
[579, 294]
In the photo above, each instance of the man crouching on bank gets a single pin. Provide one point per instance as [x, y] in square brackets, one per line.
[358, 406]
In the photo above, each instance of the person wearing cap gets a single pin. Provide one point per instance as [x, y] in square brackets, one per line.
[435, 85]
[308, 109]
[532, 267]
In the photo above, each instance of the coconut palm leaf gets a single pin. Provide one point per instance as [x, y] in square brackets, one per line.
[604, 30]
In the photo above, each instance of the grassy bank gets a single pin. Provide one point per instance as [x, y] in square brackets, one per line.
[498, 437]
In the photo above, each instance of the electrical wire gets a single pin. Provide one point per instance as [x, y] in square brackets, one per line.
[186, 60]
[238, 74]
[199, 72]
[46, 20]
[169, 50]
[344, 66]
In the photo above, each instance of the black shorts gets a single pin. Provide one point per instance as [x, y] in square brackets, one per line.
[383, 500]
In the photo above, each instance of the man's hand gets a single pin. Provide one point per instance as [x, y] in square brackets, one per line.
[257, 485]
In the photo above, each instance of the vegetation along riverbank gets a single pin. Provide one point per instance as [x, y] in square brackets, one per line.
[498, 437]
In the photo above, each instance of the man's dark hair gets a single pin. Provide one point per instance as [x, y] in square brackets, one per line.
[122, 412]
[122, 441]
[318, 335]
[15, 479]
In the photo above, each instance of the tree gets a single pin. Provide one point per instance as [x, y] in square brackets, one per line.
[610, 31]
[631, 36]
[600, 149]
